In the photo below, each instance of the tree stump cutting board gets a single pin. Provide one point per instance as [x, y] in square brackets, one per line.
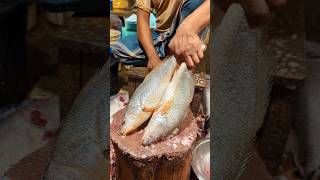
[169, 159]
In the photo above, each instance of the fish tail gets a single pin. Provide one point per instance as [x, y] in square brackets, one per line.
[149, 109]
[124, 130]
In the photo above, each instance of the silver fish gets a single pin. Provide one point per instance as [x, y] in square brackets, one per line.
[206, 97]
[241, 80]
[147, 96]
[173, 106]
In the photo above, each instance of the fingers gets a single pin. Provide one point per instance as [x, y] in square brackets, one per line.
[187, 48]
[258, 12]
[261, 12]
[149, 66]
[197, 54]
[200, 53]
[276, 4]
[174, 46]
[195, 58]
[193, 53]
[153, 62]
[189, 62]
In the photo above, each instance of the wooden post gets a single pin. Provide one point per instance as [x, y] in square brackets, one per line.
[169, 159]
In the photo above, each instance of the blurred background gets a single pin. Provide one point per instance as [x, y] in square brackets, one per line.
[48, 51]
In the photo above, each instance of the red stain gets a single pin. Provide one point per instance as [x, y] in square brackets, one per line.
[48, 135]
[121, 98]
[207, 170]
[208, 174]
[38, 118]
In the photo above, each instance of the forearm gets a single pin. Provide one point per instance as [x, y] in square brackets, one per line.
[144, 33]
[259, 12]
[199, 19]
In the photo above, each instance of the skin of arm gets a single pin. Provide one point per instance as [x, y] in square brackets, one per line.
[145, 38]
[259, 12]
[199, 18]
[186, 44]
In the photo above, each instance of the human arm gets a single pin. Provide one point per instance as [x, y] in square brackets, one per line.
[145, 38]
[186, 45]
[259, 12]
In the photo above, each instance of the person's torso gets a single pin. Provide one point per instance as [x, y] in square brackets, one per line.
[166, 10]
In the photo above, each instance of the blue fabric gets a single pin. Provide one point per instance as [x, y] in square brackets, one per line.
[128, 49]
[125, 33]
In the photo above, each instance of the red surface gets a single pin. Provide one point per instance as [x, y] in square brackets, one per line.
[207, 171]
[33, 166]
[38, 118]
[132, 143]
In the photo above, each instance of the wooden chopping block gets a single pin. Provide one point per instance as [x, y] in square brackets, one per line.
[167, 159]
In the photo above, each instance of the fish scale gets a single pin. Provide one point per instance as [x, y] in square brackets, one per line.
[84, 136]
[241, 84]
[178, 95]
[148, 96]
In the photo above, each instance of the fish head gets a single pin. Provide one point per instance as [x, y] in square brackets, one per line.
[132, 121]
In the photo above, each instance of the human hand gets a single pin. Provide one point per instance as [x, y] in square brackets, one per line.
[186, 46]
[259, 12]
[153, 61]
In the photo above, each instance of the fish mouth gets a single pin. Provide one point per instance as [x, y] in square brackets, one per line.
[151, 139]
[146, 141]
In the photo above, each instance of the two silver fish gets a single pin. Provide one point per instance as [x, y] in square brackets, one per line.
[165, 94]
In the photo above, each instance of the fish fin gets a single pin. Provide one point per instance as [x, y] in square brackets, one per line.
[166, 106]
[151, 104]
[123, 131]
[153, 100]
[150, 109]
